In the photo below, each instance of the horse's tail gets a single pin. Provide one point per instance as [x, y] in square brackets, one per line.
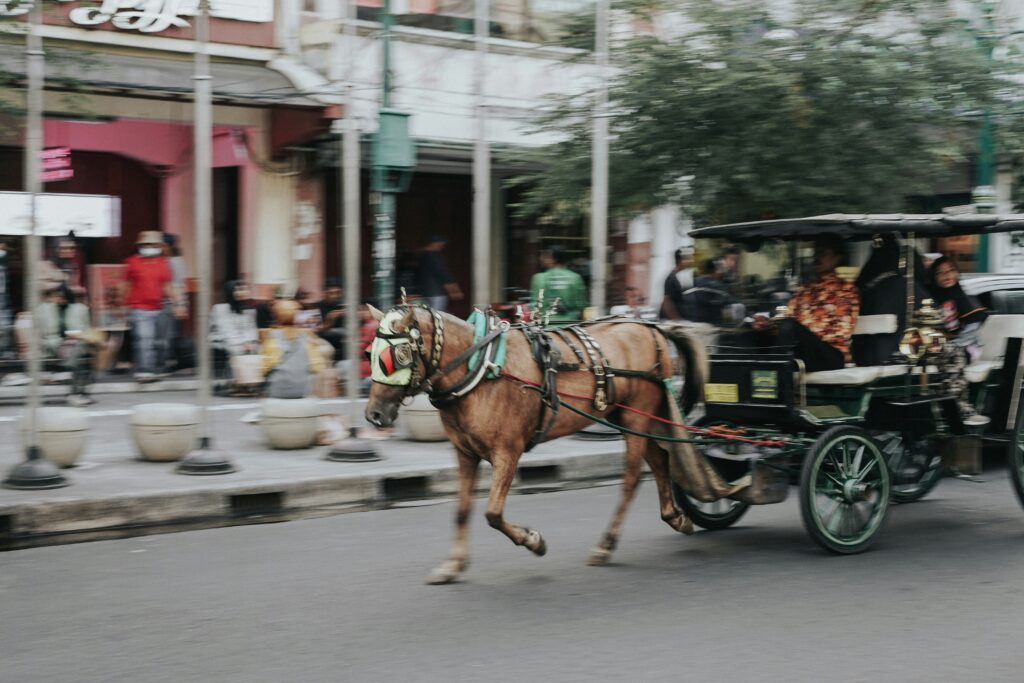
[695, 363]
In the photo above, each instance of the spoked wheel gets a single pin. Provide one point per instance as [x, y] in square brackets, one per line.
[721, 514]
[844, 490]
[914, 467]
[1015, 453]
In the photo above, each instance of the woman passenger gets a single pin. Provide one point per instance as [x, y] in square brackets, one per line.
[962, 317]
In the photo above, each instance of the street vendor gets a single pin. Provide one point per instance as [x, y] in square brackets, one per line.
[822, 314]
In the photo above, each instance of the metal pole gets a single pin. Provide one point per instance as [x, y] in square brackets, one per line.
[599, 167]
[352, 449]
[384, 214]
[205, 460]
[35, 472]
[481, 167]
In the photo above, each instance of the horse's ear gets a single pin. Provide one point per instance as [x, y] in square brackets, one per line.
[405, 322]
[375, 312]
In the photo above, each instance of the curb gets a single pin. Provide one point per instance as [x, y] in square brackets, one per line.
[223, 504]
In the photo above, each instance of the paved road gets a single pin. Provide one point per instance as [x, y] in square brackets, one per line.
[940, 598]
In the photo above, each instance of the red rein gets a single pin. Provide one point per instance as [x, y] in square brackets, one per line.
[722, 432]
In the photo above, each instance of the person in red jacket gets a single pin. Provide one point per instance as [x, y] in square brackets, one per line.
[149, 282]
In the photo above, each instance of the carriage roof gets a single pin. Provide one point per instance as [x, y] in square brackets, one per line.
[865, 226]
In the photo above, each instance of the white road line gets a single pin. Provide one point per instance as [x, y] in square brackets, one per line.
[220, 407]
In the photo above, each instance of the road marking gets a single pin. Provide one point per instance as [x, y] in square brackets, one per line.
[220, 407]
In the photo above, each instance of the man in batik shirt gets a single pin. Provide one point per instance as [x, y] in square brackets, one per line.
[822, 314]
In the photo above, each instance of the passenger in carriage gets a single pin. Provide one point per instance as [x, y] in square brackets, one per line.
[962, 317]
[883, 290]
[822, 314]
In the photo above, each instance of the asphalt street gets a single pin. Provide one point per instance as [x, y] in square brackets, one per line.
[939, 598]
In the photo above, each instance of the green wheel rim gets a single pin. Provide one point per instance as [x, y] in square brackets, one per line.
[915, 466]
[849, 492]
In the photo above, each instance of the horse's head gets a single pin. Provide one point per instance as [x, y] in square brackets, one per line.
[398, 363]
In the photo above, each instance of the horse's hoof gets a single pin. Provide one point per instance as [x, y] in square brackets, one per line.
[599, 557]
[535, 543]
[686, 526]
[446, 573]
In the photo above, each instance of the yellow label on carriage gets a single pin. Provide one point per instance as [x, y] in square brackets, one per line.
[722, 393]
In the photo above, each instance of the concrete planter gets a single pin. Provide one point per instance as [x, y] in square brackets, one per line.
[422, 421]
[290, 424]
[165, 432]
[62, 434]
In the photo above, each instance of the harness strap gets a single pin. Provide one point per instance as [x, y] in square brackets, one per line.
[547, 358]
[598, 366]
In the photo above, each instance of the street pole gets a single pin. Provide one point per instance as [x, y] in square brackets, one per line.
[599, 167]
[204, 460]
[352, 449]
[481, 297]
[35, 472]
[384, 215]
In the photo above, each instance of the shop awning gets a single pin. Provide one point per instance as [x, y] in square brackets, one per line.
[121, 73]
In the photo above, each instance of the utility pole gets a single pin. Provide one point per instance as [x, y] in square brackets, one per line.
[394, 157]
[204, 460]
[481, 297]
[599, 167]
[35, 472]
[352, 449]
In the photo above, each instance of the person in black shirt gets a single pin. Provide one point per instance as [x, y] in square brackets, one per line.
[672, 304]
[433, 279]
[332, 316]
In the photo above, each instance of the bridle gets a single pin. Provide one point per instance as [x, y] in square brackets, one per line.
[406, 350]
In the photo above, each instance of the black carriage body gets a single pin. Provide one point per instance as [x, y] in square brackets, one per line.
[752, 389]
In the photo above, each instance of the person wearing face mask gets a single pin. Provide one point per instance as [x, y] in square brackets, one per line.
[149, 282]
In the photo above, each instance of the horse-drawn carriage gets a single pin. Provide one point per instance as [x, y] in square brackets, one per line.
[858, 438]
[853, 439]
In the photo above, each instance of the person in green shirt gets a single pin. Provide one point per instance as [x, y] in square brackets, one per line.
[558, 282]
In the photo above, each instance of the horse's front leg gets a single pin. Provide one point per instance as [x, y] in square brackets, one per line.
[602, 552]
[458, 559]
[504, 470]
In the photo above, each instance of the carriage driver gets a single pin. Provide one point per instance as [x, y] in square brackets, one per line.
[822, 314]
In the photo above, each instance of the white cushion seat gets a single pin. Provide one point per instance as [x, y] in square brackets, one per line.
[855, 376]
[978, 371]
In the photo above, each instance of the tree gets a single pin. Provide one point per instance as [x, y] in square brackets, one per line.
[827, 106]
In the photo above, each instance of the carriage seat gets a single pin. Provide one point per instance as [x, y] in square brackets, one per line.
[993, 335]
[869, 329]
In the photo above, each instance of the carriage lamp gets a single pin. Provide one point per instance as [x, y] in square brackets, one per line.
[925, 339]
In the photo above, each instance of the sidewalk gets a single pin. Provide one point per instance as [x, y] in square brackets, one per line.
[113, 494]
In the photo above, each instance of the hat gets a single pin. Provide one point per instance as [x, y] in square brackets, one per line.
[435, 238]
[683, 252]
[170, 239]
[150, 237]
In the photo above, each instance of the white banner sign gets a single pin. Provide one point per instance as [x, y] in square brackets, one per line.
[88, 215]
[152, 16]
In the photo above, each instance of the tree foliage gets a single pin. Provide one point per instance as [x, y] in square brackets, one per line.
[830, 105]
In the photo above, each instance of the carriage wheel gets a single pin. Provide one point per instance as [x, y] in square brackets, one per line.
[913, 466]
[1015, 454]
[719, 514]
[844, 490]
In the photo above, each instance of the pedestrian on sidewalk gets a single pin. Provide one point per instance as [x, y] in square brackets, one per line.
[149, 282]
[558, 284]
[233, 331]
[292, 355]
[180, 352]
[68, 336]
[6, 314]
[433, 279]
[679, 280]
[332, 316]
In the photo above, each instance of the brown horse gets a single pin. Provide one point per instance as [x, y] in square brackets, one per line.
[497, 419]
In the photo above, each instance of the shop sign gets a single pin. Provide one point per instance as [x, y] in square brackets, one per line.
[56, 164]
[152, 16]
[88, 215]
